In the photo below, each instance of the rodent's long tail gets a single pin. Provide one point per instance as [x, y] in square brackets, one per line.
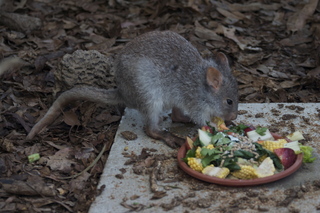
[85, 93]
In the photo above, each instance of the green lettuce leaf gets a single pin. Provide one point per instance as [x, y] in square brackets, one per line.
[307, 154]
[237, 129]
[261, 130]
[191, 153]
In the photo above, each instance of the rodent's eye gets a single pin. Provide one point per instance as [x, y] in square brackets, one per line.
[229, 102]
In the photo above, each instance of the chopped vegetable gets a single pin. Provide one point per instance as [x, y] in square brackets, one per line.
[272, 145]
[216, 171]
[204, 137]
[255, 136]
[208, 129]
[246, 172]
[240, 129]
[266, 168]
[34, 157]
[296, 136]
[198, 152]
[195, 164]
[294, 145]
[261, 130]
[201, 152]
[220, 139]
[262, 158]
[220, 123]
[307, 154]
[249, 129]
[230, 153]
[210, 146]
[287, 156]
[189, 143]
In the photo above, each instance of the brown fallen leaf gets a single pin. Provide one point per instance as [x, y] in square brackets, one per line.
[59, 161]
[19, 187]
[158, 195]
[309, 63]
[271, 72]
[20, 120]
[289, 84]
[246, 91]
[298, 19]
[246, 7]
[11, 63]
[232, 16]
[243, 43]
[315, 73]
[296, 39]
[49, 44]
[7, 145]
[254, 7]
[134, 197]
[89, 6]
[71, 118]
[43, 59]
[105, 45]
[278, 19]
[20, 22]
[84, 153]
[133, 207]
[129, 135]
[79, 182]
[107, 118]
[247, 59]
[206, 34]
[31, 150]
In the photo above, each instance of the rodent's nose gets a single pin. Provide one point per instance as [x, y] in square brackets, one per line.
[232, 116]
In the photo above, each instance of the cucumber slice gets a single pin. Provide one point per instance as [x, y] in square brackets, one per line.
[253, 135]
[296, 136]
[204, 137]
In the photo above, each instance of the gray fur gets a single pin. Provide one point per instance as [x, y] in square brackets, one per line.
[162, 70]
[155, 72]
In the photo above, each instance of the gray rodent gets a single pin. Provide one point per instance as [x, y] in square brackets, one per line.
[158, 71]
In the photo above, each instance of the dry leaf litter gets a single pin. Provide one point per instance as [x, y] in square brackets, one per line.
[45, 47]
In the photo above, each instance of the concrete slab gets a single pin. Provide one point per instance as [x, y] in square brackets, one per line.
[297, 192]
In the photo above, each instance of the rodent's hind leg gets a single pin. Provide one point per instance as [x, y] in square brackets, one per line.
[152, 115]
[178, 116]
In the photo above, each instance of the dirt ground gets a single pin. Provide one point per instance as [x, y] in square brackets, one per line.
[273, 47]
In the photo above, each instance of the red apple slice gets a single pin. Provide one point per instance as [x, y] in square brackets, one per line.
[249, 129]
[207, 129]
[287, 156]
[189, 143]
[278, 136]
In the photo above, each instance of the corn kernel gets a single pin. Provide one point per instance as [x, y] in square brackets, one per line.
[246, 172]
[198, 153]
[210, 146]
[195, 164]
[216, 171]
[272, 145]
[262, 158]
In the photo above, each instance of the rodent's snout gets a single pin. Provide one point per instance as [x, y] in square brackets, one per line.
[231, 116]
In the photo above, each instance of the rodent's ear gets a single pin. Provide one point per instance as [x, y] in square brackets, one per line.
[214, 78]
[221, 58]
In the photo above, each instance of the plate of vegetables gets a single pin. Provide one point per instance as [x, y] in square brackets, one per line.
[242, 155]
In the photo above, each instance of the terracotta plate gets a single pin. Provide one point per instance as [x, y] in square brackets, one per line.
[231, 182]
